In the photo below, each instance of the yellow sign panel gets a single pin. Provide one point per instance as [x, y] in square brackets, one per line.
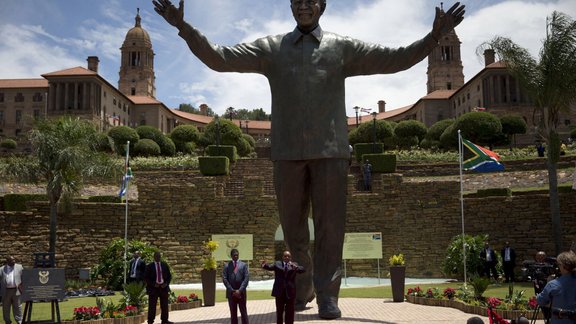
[362, 246]
[226, 242]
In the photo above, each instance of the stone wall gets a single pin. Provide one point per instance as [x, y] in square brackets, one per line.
[178, 210]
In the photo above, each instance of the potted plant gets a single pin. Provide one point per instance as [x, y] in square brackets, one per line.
[208, 273]
[397, 276]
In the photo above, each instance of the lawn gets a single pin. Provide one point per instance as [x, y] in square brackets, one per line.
[41, 311]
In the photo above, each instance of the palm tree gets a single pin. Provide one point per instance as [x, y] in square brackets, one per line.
[64, 153]
[551, 84]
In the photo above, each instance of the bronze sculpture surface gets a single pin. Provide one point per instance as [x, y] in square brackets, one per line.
[306, 70]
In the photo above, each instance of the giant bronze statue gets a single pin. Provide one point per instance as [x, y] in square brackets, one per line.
[306, 69]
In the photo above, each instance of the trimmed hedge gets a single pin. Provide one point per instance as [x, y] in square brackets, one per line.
[366, 148]
[381, 163]
[105, 199]
[214, 165]
[494, 192]
[228, 151]
[17, 202]
[8, 143]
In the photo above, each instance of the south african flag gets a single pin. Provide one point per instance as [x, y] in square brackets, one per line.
[479, 159]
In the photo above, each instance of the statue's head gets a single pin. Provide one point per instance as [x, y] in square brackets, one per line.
[307, 12]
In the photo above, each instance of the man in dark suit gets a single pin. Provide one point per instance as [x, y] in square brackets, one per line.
[508, 262]
[137, 268]
[489, 261]
[284, 288]
[157, 277]
[235, 277]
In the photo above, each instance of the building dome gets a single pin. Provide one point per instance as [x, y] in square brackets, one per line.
[137, 36]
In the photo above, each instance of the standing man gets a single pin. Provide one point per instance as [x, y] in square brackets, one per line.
[367, 175]
[157, 277]
[137, 268]
[306, 70]
[489, 261]
[508, 262]
[284, 288]
[235, 277]
[10, 289]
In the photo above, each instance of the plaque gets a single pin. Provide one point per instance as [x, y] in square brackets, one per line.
[43, 284]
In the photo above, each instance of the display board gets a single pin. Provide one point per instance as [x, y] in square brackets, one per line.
[362, 246]
[226, 242]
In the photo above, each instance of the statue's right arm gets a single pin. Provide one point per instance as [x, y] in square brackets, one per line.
[238, 58]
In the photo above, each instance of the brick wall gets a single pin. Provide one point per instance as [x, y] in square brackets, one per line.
[178, 210]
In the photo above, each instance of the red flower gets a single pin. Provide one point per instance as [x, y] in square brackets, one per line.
[449, 293]
[193, 296]
[182, 299]
[532, 303]
[493, 302]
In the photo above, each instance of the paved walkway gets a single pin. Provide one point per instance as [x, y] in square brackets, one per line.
[354, 310]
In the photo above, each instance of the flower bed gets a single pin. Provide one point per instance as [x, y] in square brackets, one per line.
[432, 297]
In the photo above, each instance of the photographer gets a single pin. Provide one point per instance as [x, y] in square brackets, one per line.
[541, 271]
[560, 294]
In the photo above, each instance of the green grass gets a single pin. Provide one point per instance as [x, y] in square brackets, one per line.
[42, 311]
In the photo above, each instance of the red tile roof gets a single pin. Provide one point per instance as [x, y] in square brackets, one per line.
[76, 71]
[440, 94]
[143, 100]
[23, 83]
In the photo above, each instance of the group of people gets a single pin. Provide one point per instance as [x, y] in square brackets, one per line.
[490, 260]
[235, 277]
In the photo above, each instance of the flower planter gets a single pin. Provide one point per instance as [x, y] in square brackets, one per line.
[209, 286]
[138, 319]
[184, 306]
[397, 279]
[471, 309]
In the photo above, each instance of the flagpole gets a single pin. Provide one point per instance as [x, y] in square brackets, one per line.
[126, 214]
[460, 158]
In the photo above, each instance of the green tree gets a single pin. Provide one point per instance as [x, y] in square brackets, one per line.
[551, 84]
[512, 125]
[453, 265]
[64, 155]
[479, 127]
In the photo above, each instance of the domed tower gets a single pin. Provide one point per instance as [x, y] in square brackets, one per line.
[137, 67]
[445, 70]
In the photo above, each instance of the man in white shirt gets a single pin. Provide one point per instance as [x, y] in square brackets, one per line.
[10, 289]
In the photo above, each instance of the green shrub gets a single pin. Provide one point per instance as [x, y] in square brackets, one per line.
[436, 130]
[17, 202]
[364, 133]
[167, 146]
[106, 199]
[134, 294]
[367, 148]
[121, 135]
[411, 128]
[480, 285]
[453, 264]
[407, 142]
[214, 165]
[185, 133]
[381, 163]
[494, 192]
[8, 143]
[110, 267]
[223, 150]
[146, 147]
[104, 143]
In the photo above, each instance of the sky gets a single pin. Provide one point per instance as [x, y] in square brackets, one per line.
[42, 36]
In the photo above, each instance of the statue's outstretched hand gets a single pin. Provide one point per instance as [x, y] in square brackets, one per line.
[174, 16]
[445, 22]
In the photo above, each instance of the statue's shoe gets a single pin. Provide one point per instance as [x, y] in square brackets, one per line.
[328, 308]
[300, 305]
